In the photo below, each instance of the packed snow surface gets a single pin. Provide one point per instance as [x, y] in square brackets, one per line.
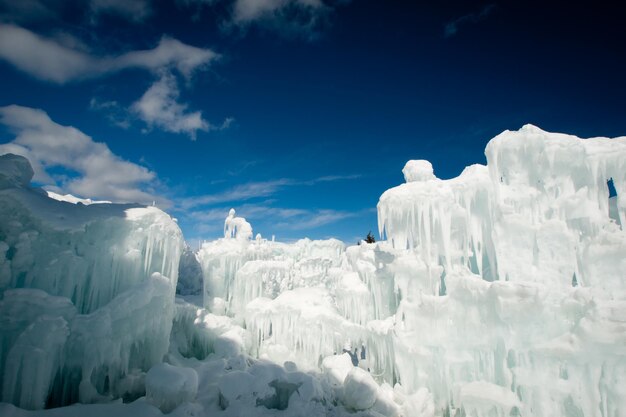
[501, 292]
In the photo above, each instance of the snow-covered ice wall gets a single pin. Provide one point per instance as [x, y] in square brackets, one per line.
[499, 292]
[87, 293]
[516, 297]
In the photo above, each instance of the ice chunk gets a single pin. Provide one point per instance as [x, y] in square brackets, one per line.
[267, 386]
[88, 293]
[336, 368]
[168, 386]
[418, 170]
[15, 171]
[33, 362]
[360, 390]
[190, 279]
[236, 227]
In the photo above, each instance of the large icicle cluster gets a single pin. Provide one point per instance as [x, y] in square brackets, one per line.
[87, 293]
[517, 294]
[498, 292]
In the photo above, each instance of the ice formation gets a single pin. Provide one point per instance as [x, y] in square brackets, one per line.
[237, 227]
[190, 279]
[501, 292]
[87, 293]
[497, 292]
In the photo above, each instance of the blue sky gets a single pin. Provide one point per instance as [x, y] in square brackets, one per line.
[297, 113]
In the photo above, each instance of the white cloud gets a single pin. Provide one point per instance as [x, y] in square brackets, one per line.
[288, 17]
[159, 107]
[315, 219]
[50, 60]
[238, 193]
[99, 172]
[249, 10]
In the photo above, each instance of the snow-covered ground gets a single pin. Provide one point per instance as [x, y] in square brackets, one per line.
[499, 292]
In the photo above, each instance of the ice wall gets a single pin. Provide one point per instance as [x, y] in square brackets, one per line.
[190, 279]
[87, 293]
[237, 269]
[499, 292]
[528, 314]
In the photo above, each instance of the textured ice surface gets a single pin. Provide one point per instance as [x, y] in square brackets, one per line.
[501, 291]
[87, 293]
[190, 279]
[516, 300]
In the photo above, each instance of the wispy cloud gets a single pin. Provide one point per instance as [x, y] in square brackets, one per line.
[291, 18]
[315, 219]
[251, 190]
[238, 193]
[159, 106]
[99, 173]
[50, 60]
[451, 28]
[331, 178]
[113, 111]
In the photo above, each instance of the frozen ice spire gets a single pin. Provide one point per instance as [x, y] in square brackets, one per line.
[236, 227]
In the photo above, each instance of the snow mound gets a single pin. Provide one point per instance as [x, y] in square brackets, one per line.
[360, 390]
[168, 386]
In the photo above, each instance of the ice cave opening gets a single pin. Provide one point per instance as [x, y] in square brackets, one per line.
[501, 292]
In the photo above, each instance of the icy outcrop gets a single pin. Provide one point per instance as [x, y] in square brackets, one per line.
[69, 198]
[499, 292]
[237, 270]
[418, 170]
[15, 171]
[87, 293]
[236, 227]
[511, 287]
[190, 279]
